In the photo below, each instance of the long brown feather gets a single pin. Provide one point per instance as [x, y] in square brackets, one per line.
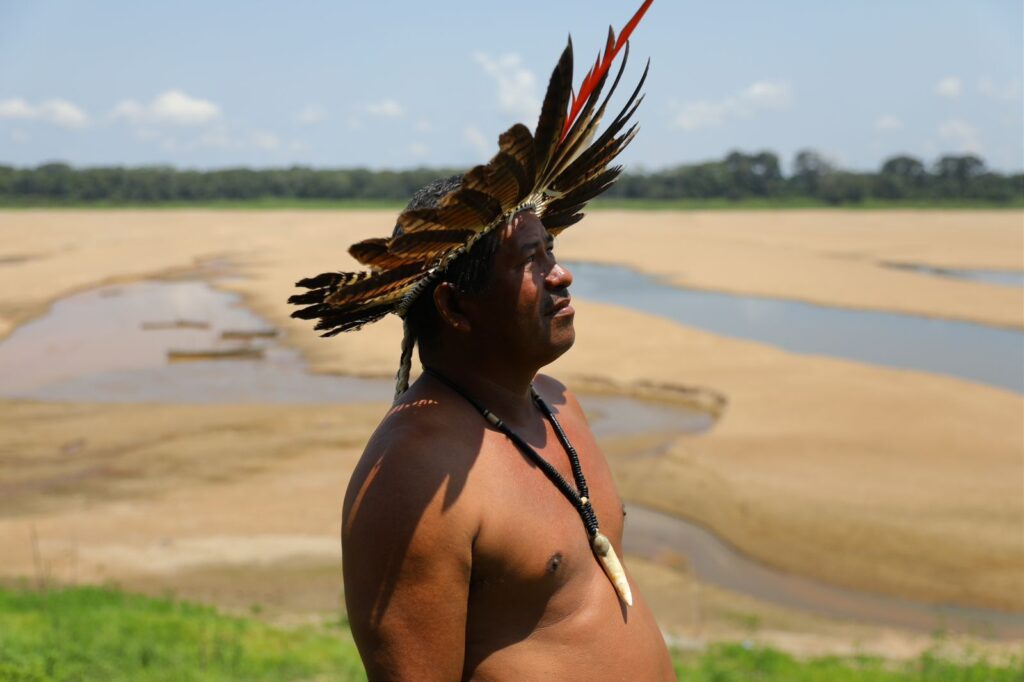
[555, 224]
[582, 132]
[553, 111]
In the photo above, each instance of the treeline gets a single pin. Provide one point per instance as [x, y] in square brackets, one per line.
[737, 177]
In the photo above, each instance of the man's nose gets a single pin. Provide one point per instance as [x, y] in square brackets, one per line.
[559, 277]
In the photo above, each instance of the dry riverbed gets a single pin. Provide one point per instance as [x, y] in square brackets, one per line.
[891, 481]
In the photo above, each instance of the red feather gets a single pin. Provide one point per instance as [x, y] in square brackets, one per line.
[601, 66]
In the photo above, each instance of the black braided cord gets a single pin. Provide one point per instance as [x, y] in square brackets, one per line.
[575, 496]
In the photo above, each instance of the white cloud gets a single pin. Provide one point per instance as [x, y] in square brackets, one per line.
[20, 136]
[298, 146]
[16, 108]
[888, 124]
[950, 86]
[59, 112]
[418, 149]
[386, 108]
[173, 107]
[703, 114]
[261, 139]
[760, 96]
[310, 115]
[1010, 92]
[478, 142]
[962, 134]
[517, 86]
[768, 95]
[423, 126]
[63, 113]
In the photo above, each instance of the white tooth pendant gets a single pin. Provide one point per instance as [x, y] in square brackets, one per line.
[612, 567]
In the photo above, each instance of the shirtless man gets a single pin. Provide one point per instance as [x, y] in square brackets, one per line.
[481, 528]
[462, 560]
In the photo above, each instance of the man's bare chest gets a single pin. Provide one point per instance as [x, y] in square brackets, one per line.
[532, 555]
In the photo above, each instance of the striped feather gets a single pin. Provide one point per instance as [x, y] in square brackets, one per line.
[417, 219]
[517, 142]
[578, 196]
[375, 285]
[427, 245]
[486, 207]
[337, 321]
[502, 179]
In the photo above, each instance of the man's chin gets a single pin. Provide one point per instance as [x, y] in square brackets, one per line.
[562, 340]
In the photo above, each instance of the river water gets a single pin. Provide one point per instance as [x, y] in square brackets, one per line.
[973, 352]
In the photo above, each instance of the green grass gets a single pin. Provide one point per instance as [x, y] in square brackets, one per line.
[734, 662]
[89, 633]
[781, 203]
[102, 634]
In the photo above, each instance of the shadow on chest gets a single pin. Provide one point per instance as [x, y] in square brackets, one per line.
[533, 546]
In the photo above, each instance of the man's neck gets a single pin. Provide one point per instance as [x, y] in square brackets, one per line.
[504, 390]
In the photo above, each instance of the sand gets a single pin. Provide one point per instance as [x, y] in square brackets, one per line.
[894, 481]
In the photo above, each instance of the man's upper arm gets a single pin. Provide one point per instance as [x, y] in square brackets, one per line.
[407, 563]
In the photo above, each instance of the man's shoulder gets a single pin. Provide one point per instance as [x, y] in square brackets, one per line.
[421, 434]
[418, 459]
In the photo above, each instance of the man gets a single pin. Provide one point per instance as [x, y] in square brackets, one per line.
[481, 529]
[461, 559]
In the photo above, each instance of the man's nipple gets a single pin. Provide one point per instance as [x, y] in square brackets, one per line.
[554, 562]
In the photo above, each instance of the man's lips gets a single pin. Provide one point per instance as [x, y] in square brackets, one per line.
[562, 307]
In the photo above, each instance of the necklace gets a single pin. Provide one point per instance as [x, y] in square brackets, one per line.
[578, 496]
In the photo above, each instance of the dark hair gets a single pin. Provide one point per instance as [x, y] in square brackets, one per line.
[469, 272]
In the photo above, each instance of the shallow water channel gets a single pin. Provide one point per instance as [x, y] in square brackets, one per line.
[974, 352]
[152, 342]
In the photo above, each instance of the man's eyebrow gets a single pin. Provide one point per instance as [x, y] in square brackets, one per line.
[532, 246]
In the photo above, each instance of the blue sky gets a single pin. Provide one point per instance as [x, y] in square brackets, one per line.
[391, 84]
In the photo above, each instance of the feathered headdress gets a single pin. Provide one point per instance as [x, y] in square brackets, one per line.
[555, 171]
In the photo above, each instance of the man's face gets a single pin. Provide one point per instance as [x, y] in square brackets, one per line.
[525, 306]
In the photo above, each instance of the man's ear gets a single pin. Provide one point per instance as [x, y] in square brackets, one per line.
[449, 307]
